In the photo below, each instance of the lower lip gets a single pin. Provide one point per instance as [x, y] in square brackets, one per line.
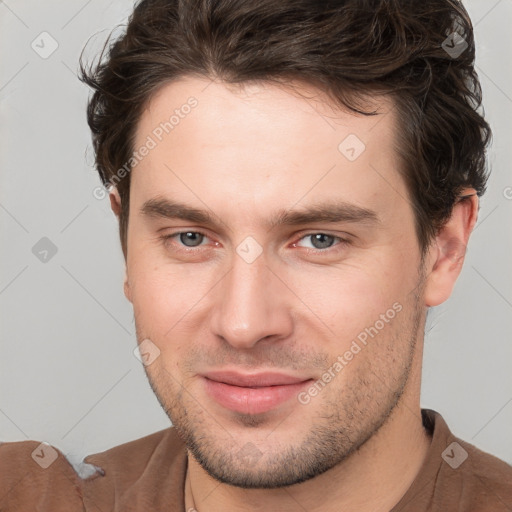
[252, 400]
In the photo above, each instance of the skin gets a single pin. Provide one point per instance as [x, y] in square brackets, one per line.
[242, 154]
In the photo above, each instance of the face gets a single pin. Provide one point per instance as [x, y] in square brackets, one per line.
[274, 271]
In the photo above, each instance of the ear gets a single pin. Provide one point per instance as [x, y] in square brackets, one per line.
[446, 254]
[126, 286]
[115, 201]
[115, 204]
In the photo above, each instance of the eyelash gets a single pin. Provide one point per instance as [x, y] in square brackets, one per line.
[342, 242]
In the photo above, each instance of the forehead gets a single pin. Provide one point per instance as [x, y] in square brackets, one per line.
[261, 144]
[268, 107]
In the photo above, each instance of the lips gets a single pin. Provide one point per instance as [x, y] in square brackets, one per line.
[252, 393]
[253, 380]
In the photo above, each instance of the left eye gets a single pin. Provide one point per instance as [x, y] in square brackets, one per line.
[321, 241]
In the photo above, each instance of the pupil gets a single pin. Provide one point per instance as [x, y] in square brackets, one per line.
[190, 236]
[321, 240]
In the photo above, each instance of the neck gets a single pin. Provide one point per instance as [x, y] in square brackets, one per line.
[374, 478]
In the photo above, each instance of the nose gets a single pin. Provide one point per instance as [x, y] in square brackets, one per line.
[252, 304]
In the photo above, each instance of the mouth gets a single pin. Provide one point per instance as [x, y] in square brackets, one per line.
[252, 393]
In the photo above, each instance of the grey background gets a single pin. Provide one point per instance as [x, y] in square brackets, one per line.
[68, 375]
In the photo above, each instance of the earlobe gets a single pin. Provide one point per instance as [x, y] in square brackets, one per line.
[115, 201]
[446, 255]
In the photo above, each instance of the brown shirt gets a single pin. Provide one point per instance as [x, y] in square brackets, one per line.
[148, 474]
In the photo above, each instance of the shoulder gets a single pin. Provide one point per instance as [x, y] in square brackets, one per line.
[37, 476]
[482, 479]
[458, 475]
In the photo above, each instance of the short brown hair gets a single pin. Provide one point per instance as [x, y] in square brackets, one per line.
[351, 49]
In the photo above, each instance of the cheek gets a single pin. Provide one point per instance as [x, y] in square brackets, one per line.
[350, 297]
[165, 296]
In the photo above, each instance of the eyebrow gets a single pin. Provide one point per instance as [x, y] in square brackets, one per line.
[329, 212]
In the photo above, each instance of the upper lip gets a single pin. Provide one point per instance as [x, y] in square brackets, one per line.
[254, 379]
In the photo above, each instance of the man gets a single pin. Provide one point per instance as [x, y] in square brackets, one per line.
[296, 183]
